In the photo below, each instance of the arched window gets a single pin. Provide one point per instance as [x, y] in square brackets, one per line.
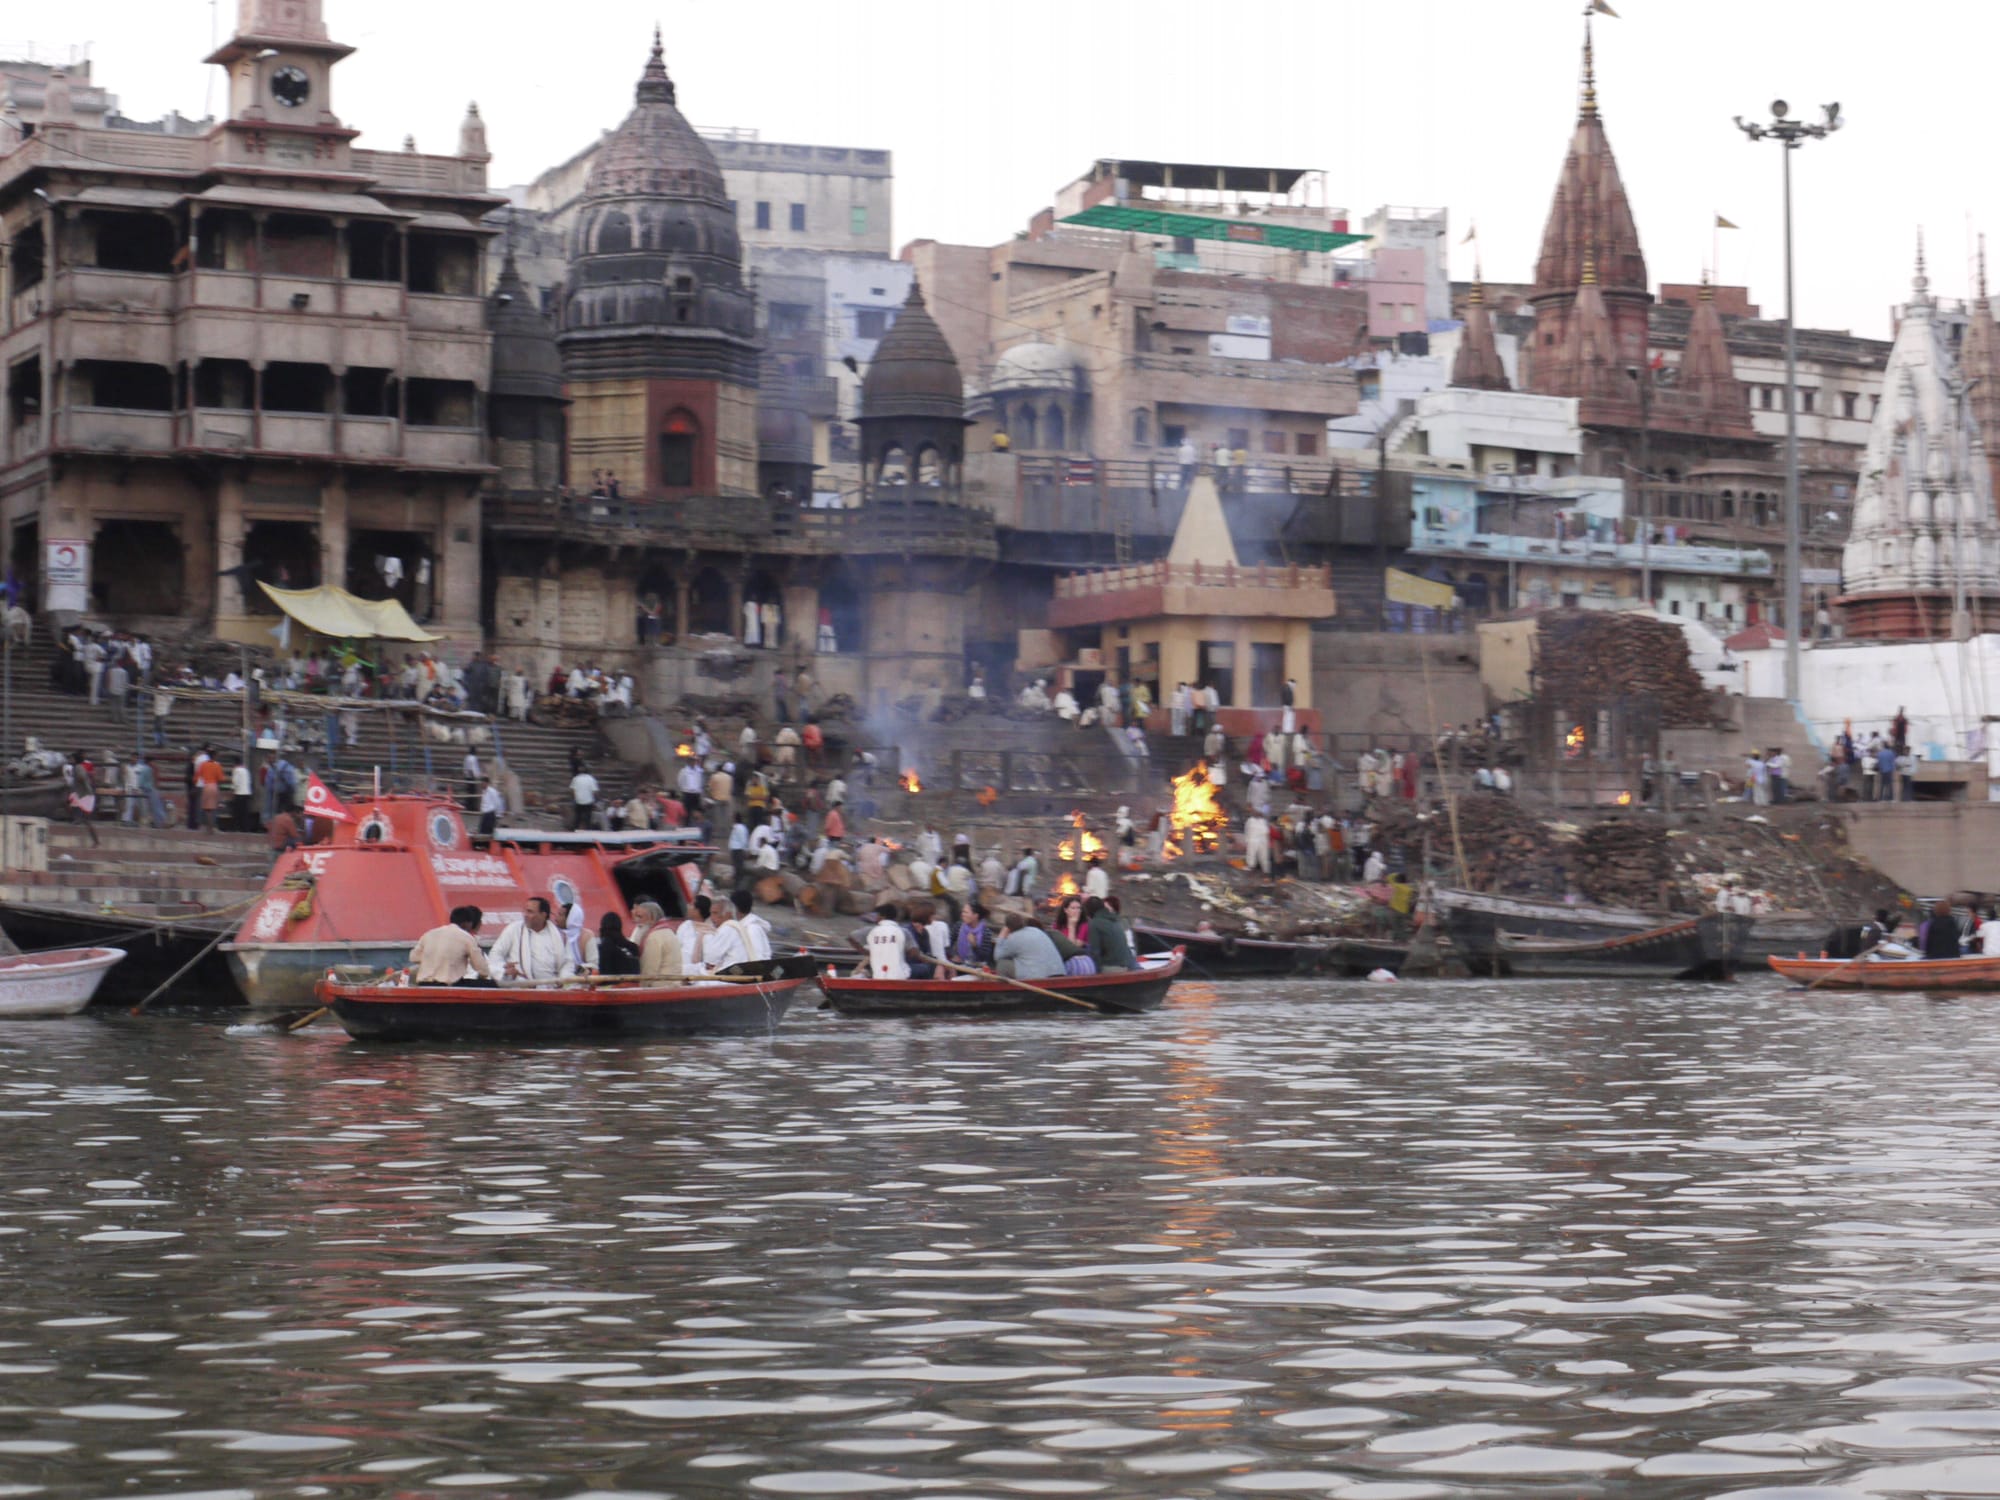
[1023, 430]
[680, 437]
[614, 233]
[1053, 428]
[1729, 505]
[1142, 428]
[930, 471]
[895, 466]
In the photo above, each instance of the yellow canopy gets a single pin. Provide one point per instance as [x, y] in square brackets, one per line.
[335, 612]
[1408, 588]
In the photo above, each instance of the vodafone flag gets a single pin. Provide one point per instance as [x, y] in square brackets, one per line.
[321, 803]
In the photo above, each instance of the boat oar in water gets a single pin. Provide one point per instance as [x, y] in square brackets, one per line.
[208, 948]
[1019, 984]
[1831, 973]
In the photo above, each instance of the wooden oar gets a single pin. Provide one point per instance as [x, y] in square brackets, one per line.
[212, 944]
[1019, 984]
[1830, 973]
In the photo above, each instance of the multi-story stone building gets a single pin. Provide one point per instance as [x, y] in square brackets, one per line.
[257, 352]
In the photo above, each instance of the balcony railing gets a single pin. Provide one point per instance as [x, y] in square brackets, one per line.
[1153, 575]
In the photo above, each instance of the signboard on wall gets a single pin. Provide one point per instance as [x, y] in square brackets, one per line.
[66, 577]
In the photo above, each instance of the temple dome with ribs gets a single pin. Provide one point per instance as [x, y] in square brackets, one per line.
[914, 373]
[655, 242]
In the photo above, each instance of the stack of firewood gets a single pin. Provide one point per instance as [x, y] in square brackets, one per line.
[1588, 658]
[1623, 863]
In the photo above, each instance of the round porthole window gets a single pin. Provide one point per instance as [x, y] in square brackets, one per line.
[444, 829]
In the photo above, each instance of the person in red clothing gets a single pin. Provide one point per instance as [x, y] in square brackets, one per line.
[836, 823]
[208, 786]
[814, 741]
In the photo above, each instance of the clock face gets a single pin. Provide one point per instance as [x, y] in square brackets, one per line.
[291, 86]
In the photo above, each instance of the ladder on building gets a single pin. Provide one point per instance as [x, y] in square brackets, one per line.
[1121, 539]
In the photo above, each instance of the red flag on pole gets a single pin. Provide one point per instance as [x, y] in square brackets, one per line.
[321, 803]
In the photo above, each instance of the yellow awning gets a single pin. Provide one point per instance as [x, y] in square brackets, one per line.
[343, 616]
[1407, 588]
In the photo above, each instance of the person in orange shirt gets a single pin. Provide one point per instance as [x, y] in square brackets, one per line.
[208, 787]
[836, 824]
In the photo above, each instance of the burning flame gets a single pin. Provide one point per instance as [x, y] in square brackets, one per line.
[1624, 799]
[987, 796]
[1066, 851]
[911, 781]
[685, 752]
[1197, 818]
[1065, 888]
[1573, 741]
[1076, 818]
[1092, 844]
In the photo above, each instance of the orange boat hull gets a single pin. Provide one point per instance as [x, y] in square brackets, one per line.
[1960, 975]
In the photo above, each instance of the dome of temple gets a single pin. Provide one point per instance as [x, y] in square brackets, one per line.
[526, 359]
[914, 373]
[1034, 366]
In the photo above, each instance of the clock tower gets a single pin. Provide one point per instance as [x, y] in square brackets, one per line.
[280, 64]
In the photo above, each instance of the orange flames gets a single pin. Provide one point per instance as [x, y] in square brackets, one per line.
[1076, 818]
[1064, 889]
[987, 796]
[911, 781]
[685, 752]
[1092, 845]
[1573, 742]
[1624, 799]
[1197, 818]
[1066, 851]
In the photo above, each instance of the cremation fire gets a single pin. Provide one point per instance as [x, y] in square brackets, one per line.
[1573, 742]
[1064, 889]
[1197, 818]
[911, 781]
[684, 751]
[1624, 799]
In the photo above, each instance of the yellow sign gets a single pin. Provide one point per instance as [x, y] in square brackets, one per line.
[1406, 588]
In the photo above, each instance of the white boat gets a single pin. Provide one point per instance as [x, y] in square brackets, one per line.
[59, 982]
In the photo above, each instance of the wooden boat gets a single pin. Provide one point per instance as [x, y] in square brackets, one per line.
[60, 982]
[376, 1010]
[1228, 955]
[1676, 951]
[1474, 920]
[398, 868]
[1960, 975]
[156, 948]
[1143, 989]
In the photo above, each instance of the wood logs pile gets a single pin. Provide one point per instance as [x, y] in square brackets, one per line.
[1623, 864]
[1587, 658]
[562, 712]
[1506, 850]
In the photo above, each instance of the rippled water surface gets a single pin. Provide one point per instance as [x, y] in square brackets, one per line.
[1371, 1242]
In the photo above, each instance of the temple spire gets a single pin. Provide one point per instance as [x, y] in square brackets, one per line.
[1587, 109]
[655, 87]
[1921, 282]
[1708, 369]
[1476, 364]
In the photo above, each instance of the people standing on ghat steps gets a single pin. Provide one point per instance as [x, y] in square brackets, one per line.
[80, 778]
[491, 804]
[582, 797]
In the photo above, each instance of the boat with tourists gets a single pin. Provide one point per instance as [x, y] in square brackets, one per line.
[391, 1009]
[1131, 992]
[59, 982]
[398, 864]
[1878, 971]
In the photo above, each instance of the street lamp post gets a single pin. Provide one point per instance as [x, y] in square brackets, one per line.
[1789, 133]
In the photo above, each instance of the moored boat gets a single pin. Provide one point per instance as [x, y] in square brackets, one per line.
[391, 1011]
[1678, 950]
[1474, 920]
[1141, 989]
[1962, 975]
[1228, 955]
[59, 982]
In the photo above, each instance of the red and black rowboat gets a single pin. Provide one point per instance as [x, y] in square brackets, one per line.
[1142, 989]
[1976, 975]
[375, 1011]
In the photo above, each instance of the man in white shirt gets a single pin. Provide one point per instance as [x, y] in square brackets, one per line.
[471, 768]
[1257, 843]
[532, 947]
[755, 931]
[1097, 880]
[930, 844]
[492, 803]
[449, 954]
[888, 945]
[583, 797]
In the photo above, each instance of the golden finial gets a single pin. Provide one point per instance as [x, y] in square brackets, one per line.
[1707, 287]
[1590, 268]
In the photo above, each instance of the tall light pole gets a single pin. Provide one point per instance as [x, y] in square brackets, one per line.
[1789, 133]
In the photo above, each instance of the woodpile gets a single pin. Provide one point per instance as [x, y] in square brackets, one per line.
[564, 712]
[1506, 849]
[1624, 863]
[1590, 658]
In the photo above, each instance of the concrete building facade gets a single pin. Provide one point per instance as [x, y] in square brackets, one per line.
[258, 352]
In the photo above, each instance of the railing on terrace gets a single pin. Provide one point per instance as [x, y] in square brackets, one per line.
[1161, 574]
[1285, 371]
[1268, 476]
[893, 520]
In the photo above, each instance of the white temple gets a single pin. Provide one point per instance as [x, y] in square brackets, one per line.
[1925, 539]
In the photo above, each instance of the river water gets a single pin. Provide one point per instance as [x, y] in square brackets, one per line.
[1371, 1242]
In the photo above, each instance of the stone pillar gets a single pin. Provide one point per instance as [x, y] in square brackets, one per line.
[229, 532]
[333, 530]
[683, 587]
[455, 564]
[736, 582]
[802, 617]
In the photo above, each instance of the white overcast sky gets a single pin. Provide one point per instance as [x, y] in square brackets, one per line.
[1464, 104]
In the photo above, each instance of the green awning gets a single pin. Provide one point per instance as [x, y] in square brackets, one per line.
[1202, 227]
